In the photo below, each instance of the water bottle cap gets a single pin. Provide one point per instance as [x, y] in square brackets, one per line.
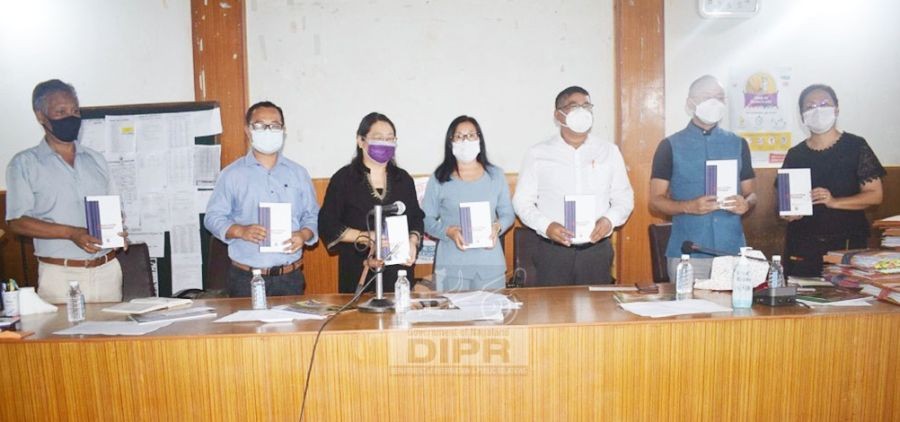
[257, 271]
[401, 273]
[685, 256]
[73, 283]
[776, 258]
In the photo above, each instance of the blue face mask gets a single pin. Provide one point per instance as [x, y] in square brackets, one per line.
[65, 129]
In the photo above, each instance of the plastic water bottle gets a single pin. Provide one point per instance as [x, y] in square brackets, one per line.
[776, 273]
[684, 277]
[258, 290]
[401, 293]
[75, 306]
[742, 283]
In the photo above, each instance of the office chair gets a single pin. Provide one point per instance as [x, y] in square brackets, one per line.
[659, 239]
[525, 243]
[137, 277]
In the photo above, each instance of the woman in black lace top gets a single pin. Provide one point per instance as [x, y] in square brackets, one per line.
[846, 179]
[371, 178]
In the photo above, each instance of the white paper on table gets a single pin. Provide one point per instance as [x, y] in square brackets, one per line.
[152, 172]
[124, 176]
[794, 192]
[201, 200]
[187, 272]
[120, 133]
[155, 242]
[182, 209]
[93, 134]
[397, 232]
[104, 219]
[481, 299]
[275, 217]
[863, 301]
[112, 328]
[180, 168]
[721, 179]
[476, 224]
[672, 308]
[151, 132]
[580, 216]
[453, 315]
[207, 162]
[154, 212]
[268, 315]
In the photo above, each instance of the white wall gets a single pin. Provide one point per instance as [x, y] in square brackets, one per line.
[850, 45]
[113, 52]
[423, 63]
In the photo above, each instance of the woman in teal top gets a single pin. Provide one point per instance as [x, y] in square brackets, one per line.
[466, 175]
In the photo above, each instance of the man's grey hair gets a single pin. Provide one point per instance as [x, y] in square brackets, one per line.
[45, 89]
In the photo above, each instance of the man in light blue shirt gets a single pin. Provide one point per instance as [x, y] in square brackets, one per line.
[232, 215]
[46, 186]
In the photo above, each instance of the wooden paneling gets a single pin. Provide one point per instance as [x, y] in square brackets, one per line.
[640, 120]
[574, 355]
[220, 67]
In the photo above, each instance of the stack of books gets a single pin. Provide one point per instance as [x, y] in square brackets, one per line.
[875, 272]
[890, 231]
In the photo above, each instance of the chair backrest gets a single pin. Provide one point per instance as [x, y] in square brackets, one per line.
[217, 264]
[137, 277]
[659, 239]
[525, 243]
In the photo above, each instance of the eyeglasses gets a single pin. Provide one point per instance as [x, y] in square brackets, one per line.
[568, 108]
[266, 126]
[392, 140]
[823, 103]
[473, 136]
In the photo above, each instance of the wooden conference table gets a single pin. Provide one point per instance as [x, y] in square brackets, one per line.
[567, 354]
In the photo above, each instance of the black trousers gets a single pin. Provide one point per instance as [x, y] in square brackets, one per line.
[578, 264]
[276, 285]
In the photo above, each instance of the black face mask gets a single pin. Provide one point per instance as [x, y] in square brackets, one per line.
[65, 129]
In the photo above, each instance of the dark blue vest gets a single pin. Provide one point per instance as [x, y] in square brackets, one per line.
[719, 229]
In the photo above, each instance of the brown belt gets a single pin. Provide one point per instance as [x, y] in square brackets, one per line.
[282, 270]
[82, 263]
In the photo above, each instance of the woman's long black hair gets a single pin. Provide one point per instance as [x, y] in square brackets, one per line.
[449, 165]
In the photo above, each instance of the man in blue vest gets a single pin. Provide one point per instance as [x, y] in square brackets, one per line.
[678, 180]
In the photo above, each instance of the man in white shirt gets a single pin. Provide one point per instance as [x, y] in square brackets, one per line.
[574, 162]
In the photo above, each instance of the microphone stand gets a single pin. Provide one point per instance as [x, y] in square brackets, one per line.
[378, 304]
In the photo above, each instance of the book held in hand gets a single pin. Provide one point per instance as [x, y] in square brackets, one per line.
[276, 218]
[143, 305]
[580, 216]
[396, 233]
[103, 215]
[721, 179]
[476, 224]
[794, 186]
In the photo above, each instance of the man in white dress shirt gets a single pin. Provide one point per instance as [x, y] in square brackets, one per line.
[573, 162]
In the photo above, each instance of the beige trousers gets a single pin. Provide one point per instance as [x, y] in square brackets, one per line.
[98, 284]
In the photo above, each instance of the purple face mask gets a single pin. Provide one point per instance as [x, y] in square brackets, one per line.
[381, 151]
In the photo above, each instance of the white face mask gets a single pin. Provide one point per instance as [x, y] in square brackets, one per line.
[579, 120]
[710, 111]
[267, 141]
[819, 119]
[466, 151]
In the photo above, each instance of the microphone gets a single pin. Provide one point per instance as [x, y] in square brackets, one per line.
[688, 247]
[396, 208]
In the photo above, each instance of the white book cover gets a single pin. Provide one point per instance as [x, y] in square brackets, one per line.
[580, 216]
[476, 224]
[794, 187]
[276, 218]
[721, 179]
[396, 230]
[103, 215]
